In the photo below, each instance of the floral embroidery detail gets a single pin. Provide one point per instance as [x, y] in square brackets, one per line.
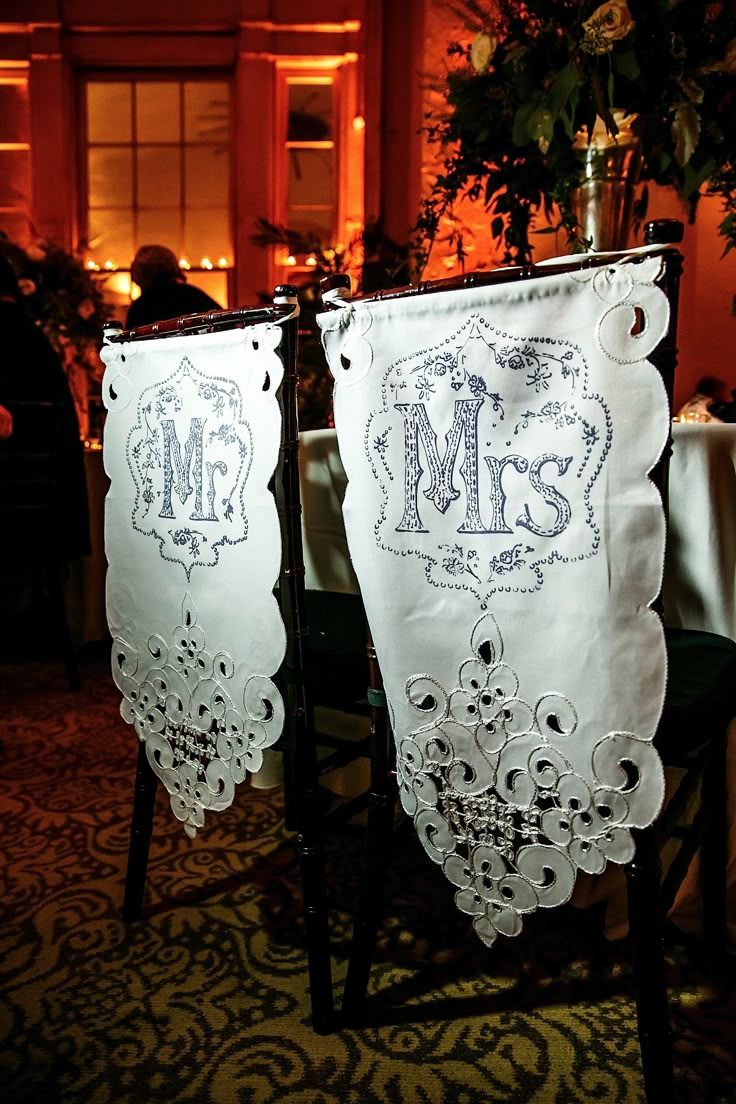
[167, 395]
[509, 560]
[425, 386]
[539, 378]
[590, 434]
[147, 456]
[459, 562]
[477, 386]
[380, 444]
[188, 537]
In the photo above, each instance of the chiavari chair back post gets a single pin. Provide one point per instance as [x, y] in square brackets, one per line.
[462, 821]
[211, 734]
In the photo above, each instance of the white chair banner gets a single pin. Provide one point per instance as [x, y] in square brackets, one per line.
[508, 544]
[194, 550]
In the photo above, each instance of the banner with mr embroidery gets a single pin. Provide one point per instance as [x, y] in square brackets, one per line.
[508, 544]
[193, 545]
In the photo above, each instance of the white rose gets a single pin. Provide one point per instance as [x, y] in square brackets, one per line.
[482, 49]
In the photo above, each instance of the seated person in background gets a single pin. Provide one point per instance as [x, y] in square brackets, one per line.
[710, 389]
[31, 379]
[164, 290]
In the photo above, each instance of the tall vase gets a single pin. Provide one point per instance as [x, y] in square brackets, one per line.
[604, 203]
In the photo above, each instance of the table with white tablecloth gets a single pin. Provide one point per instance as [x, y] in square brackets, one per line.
[700, 572]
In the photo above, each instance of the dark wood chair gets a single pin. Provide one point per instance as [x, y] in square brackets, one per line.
[298, 740]
[701, 699]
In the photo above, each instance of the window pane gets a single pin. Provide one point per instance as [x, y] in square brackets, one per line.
[159, 176]
[320, 224]
[207, 234]
[157, 111]
[110, 177]
[15, 178]
[311, 177]
[111, 236]
[14, 114]
[207, 179]
[160, 228]
[109, 111]
[310, 112]
[207, 112]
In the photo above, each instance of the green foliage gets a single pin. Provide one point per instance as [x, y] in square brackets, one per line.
[381, 262]
[60, 294]
[536, 75]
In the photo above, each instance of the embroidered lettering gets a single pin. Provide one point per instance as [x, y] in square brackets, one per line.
[441, 491]
[550, 494]
[497, 494]
[175, 466]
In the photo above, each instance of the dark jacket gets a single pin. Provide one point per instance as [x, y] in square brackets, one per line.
[43, 487]
[168, 298]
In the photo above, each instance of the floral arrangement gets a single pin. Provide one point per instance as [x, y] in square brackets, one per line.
[373, 259]
[67, 302]
[61, 295]
[537, 75]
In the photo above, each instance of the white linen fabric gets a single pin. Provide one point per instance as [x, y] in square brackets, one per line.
[700, 573]
[322, 482]
[193, 544]
[508, 544]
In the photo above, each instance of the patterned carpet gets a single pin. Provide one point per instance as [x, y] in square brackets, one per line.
[204, 1000]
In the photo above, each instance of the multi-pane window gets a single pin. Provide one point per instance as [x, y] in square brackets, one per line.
[15, 158]
[319, 192]
[311, 201]
[157, 161]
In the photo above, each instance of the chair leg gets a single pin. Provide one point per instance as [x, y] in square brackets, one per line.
[381, 805]
[650, 977]
[301, 764]
[312, 861]
[146, 784]
[291, 789]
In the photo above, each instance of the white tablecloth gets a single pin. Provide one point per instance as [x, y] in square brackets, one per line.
[323, 481]
[700, 571]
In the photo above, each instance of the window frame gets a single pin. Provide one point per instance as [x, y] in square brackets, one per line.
[156, 75]
[342, 72]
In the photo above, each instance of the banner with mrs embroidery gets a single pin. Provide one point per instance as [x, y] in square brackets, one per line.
[462, 486]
